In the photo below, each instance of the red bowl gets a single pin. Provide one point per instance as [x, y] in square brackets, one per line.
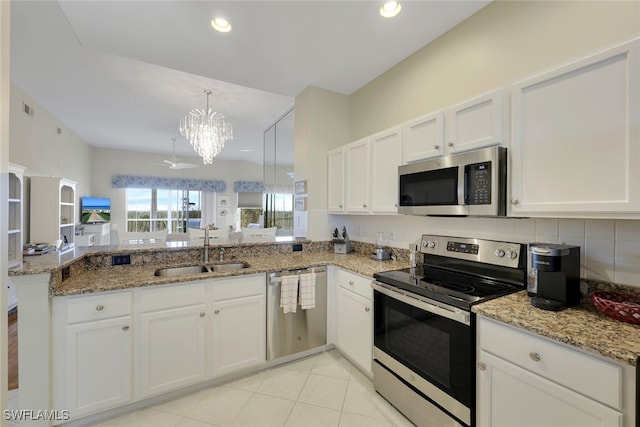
[618, 305]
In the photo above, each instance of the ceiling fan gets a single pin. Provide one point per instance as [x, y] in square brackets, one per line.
[174, 163]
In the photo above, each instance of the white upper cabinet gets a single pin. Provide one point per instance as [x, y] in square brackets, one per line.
[423, 138]
[363, 175]
[357, 176]
[476, 123]
[576, 138]
[335, 187]
[386, 156]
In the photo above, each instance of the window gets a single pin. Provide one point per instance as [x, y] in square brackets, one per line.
[250, 208]
[279, 212]
[157, 210]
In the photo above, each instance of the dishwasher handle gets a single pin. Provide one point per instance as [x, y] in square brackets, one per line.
[276, 277]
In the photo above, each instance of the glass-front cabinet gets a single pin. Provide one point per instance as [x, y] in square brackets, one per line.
[15, 210]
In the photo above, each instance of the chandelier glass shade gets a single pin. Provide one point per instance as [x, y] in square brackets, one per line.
[207, 131]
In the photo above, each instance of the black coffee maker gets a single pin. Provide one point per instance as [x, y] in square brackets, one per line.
[553, 275]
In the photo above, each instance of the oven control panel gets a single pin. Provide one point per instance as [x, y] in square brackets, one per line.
[494, 252]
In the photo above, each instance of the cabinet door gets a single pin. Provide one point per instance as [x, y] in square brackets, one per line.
[98, 365]
[357, 161]
[335, 187]
[576, 139]
[355, 328]
[239, 331]
[172, 349]
[423, 138]
[476, 123]
[386, 156]
[511, 396]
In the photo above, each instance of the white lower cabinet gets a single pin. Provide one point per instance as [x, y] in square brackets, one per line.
[172, 349]
[114, 348]
[527, 380]
[239, 323]
[92, 352]
[354, 311]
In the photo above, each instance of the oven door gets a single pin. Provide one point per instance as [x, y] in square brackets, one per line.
[429, 345]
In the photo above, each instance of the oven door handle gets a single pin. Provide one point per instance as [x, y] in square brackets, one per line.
[454, 314]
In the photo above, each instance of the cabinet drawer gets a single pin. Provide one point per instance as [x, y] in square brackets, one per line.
[358, 284]
[592, 377]
[172, 296]
[84, 308]
[237, 287]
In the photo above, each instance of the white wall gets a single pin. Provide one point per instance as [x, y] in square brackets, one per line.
[502, 42]
[322, 123]
[36, 144]
[106, 163]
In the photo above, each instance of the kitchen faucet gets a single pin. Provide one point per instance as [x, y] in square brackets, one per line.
[206, 243]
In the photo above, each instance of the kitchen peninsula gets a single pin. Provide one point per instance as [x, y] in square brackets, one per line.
[102, 295]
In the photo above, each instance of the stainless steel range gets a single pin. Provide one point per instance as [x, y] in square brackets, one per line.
[424, 331]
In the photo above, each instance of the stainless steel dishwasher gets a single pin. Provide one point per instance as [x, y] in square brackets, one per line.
[292, 333]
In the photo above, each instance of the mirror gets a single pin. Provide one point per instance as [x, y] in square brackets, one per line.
[278, 175]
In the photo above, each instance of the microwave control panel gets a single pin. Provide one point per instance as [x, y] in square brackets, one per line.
[478, 184]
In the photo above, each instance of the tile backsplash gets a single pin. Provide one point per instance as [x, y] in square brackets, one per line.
[609, 249]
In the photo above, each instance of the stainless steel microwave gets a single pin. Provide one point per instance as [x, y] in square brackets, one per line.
[472, 183]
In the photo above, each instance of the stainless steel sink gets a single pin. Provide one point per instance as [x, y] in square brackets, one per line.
[198, 269]
[181, 271]
[231, 266]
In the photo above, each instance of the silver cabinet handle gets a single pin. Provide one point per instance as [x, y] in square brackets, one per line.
[482, 366]
[364, 205]
[514, 201]
[450, 144]
[534, 356]
[125, 328]
[367, 309]
[340, 206]
[202, 314]
[436, 147]
[100, 307]
[351, 282]
[216, 311]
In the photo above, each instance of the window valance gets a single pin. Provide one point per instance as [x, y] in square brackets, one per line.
[248, 187]
[168, 183]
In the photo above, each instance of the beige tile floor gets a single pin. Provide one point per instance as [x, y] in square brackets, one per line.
[321, 390]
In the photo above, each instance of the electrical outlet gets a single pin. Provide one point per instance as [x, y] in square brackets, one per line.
[392, 235]
[359, 230]
[120, 259]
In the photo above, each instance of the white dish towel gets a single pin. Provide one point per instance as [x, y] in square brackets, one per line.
[307, 291]
[289, 293]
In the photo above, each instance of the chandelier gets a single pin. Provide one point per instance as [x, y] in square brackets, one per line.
[207, 131]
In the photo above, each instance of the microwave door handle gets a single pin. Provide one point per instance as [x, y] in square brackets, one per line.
[463, 196]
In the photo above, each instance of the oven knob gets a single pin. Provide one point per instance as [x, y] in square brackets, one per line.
[512, 254]
[431, 244]
[499, 253]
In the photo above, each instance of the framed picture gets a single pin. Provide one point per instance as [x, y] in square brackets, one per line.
[223, 200]
[300, 204]
[300, 187]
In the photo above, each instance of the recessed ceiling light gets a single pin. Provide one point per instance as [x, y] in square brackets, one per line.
[221, 24]
[390, 9]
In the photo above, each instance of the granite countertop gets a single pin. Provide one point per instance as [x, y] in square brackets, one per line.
[131, 276]
[582, 326]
